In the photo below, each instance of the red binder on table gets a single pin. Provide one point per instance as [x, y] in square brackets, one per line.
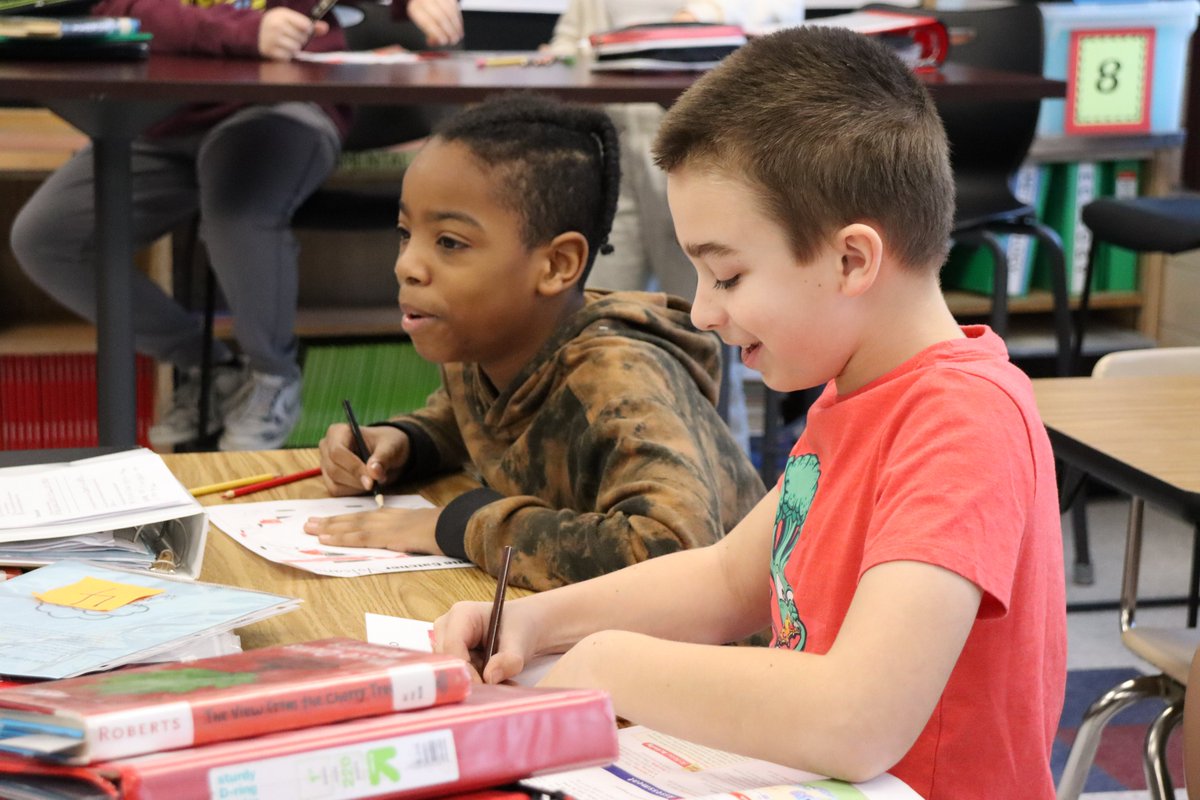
[499, 734]
[129, 712]
[665, 46]
[921, 41]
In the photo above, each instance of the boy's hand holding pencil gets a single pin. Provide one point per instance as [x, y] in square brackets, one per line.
[355, 460]
[346, 473]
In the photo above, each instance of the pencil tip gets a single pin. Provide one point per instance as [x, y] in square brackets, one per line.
[379, 500]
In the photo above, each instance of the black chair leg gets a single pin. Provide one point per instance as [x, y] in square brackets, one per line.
[999, 318]
[1082, 574]
[1194, 582]
[1072, 495]
[1052, 245]
[1081, 313]
[210, 307]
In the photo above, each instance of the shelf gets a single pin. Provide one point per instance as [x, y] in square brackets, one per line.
[1036, 302]
[1103, 148]
[319, 323]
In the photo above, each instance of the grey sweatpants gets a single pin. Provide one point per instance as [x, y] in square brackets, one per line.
[246, 176]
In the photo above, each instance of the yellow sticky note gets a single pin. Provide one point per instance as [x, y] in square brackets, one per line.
[93, 594]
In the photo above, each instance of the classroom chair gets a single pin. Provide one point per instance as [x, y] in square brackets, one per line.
[1145, 225]
[1191, 731]
[1167, 649]
[988, 143]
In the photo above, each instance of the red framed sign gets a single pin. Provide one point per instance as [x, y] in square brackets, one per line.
[1109, 81]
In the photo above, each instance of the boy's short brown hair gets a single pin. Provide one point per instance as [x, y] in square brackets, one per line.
[832, 129]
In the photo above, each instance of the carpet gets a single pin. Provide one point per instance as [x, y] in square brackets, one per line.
[1118, 764]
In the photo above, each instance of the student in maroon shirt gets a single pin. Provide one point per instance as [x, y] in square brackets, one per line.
[245, 169]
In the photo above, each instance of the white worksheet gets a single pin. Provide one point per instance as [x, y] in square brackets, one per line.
[275, 531]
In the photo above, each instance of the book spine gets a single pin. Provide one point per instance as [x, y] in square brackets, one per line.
[267, 708]
[99, 26]
[411, 756]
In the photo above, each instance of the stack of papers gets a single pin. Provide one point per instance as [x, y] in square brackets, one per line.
[124, 509]
[75, 617]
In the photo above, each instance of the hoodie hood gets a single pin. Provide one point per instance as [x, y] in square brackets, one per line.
[658, 322]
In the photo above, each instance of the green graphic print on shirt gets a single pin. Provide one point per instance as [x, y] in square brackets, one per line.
[800, 478]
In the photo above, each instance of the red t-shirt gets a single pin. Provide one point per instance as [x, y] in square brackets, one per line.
[945, 461]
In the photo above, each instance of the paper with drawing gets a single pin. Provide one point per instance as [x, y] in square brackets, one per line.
[275, 531]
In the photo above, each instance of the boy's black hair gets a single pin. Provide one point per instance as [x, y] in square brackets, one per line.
[557, 165]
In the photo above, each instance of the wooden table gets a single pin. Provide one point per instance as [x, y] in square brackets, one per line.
[1140, 435]
[332, 606]
[113, 102]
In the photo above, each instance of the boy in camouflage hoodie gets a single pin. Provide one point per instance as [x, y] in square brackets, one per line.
[588, 417]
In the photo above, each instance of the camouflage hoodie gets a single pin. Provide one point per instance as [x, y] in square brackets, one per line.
[606, 449]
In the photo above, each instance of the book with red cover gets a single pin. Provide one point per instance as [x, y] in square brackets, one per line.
[919, 39]
[497, 735]
[670, 46]
[128, 712]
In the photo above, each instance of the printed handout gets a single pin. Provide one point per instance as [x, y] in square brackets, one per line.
[415, 634]
[275, 531]
[654, 766]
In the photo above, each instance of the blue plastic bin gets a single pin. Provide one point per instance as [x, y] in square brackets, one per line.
[1173, 22]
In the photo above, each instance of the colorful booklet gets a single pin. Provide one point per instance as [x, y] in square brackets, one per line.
[67, 27]
[665, 46]
[497, 735]
[74, 617]
[653, 766]
[166, 706]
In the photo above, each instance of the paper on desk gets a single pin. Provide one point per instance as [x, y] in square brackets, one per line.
[39, 640]
[415, 634]
[653, 766]
[51, 500]
[392, 54]
[275, 531]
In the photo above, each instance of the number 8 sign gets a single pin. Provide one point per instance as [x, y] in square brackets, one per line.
[1109, 82]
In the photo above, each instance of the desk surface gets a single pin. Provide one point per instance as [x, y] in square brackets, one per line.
[454, 79]
[1141, 435]
[332, 606]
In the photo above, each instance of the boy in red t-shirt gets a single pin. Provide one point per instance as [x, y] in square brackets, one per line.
[909, 562]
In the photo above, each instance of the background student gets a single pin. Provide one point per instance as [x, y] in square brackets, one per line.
[245, 169]
[588, 416]
[910, 562]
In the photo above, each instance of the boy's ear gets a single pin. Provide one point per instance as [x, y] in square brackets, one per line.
[861, 250]
[565, 255]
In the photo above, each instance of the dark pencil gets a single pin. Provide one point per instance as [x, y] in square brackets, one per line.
[493, 633]
[320, 9]
[363, 452]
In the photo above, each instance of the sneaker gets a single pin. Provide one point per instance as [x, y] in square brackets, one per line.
[262, 413]
[181, 422]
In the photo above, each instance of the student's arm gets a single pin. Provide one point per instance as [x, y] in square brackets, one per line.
[440, 20]
[435, 443]
[851, 713]
[219, 29]
[621, 466]
[712, 595]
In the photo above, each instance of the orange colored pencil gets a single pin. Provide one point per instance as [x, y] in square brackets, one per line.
[271, 484]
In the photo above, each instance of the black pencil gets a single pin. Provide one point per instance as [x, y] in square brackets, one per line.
[363, 452]
[493, 633]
